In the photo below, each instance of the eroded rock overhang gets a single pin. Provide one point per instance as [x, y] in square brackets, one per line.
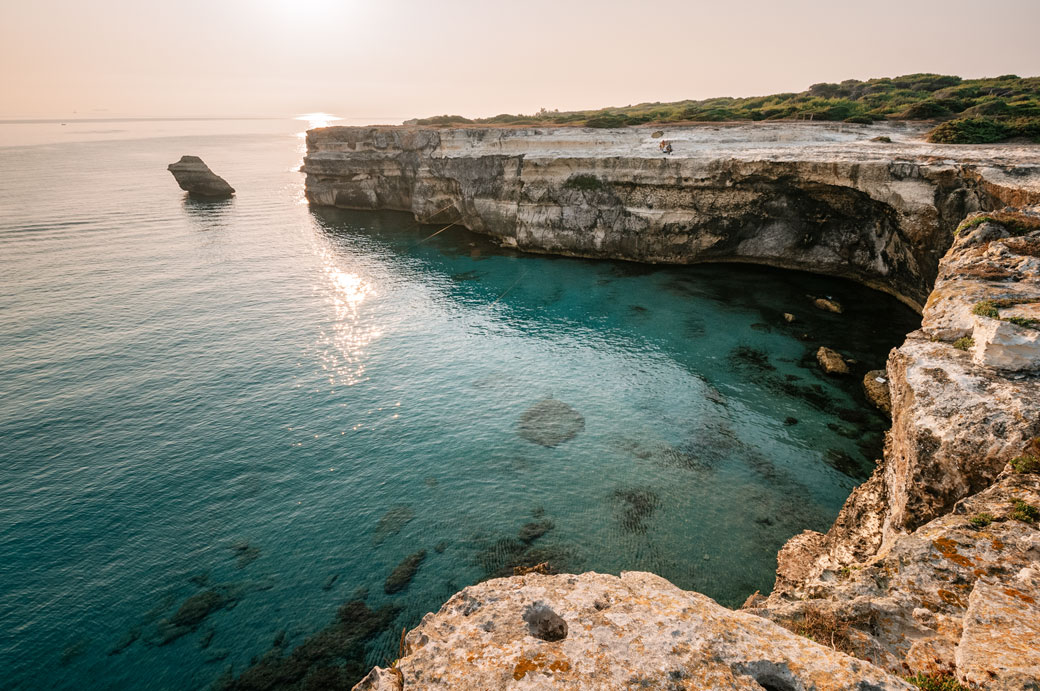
[820, 198]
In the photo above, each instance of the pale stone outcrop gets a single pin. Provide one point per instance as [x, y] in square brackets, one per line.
[633, 631]
[195, 178]
[821, 198]
[998, 647]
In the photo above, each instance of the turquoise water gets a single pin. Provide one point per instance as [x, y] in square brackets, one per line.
[259, 409]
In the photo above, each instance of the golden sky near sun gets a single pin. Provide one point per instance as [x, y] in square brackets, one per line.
[400, 59]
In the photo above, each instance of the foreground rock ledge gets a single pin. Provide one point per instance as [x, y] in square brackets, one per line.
[636, 631]
[195, 178]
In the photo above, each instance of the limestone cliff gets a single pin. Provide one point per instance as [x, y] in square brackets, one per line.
[825, 199]
[935, 560]
[933, 565]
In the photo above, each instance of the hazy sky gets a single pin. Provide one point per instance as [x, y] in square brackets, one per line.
[398, 58]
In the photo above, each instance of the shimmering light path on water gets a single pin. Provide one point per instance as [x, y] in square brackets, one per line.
[259, 410]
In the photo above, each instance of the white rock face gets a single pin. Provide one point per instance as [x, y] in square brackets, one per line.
[1000, 646]
[1006, 346]
[634, 632]
[820, 198]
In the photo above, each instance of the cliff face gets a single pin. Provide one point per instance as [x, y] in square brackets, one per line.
[935, 560]
[826, 200]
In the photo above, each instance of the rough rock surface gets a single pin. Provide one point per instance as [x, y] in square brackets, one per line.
[931, 561]
[636, 631]
[875, 387]
[822, 198]
[831, 361]
[197, 179]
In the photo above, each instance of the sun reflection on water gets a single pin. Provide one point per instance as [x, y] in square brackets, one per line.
[344, 344]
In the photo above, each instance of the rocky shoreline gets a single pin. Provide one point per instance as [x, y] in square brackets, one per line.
[932, 568]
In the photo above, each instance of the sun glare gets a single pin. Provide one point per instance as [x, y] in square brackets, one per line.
[318, 119]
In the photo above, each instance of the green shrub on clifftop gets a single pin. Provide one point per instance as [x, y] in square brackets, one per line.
[981, 110]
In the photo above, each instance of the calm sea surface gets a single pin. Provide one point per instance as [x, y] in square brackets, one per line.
[221, 422]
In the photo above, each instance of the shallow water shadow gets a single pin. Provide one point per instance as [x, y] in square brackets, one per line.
[207, 214]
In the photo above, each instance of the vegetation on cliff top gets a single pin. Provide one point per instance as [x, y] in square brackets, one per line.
[970, 110]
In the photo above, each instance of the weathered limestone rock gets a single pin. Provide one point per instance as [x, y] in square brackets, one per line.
[938, 551]
[933, 598]
[1005, 345]
[636, 631]
[197, 179]
[814, 197]
[831, 361]
[1001, 632]
[875, 386]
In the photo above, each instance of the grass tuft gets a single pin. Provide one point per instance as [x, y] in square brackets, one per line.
[1025, 464]
[981, 520]
[1021, 511]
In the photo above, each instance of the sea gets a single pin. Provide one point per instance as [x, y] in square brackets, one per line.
[245, 443]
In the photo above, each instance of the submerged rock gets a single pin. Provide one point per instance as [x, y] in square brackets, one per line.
[245, 552]
[529, 532]
[635, 507]
[198, 180]
[332, 658]
[831, 361]
[403, 573]
[391, 523]
[550, 423]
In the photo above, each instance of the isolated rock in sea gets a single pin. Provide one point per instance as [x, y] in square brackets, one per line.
[197, 179]
[875, 386]
[636, 631]
[831, 361]
[550, 423]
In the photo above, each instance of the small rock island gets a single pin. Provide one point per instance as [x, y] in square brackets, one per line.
[195, 178]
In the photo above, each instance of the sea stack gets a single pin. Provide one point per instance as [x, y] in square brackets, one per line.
[195, 178]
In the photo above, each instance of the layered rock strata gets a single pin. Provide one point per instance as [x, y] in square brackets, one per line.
[822, 199]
